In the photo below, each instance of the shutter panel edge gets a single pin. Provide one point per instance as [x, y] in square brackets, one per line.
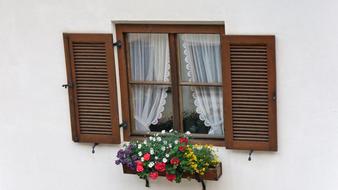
[234, 54]
[96, 63]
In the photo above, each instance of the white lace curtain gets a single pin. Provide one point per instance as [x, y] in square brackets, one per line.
[149, 59]
[203, 64]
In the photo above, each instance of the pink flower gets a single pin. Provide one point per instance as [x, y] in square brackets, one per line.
[171, 177]
[146, 156]
[153, 175]
[160, 166]
[139, 168]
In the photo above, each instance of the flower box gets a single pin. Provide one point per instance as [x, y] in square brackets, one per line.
[213, 174]
[170, 154]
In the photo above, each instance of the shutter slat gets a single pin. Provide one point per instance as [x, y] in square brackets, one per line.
[95, 133]
[250, 86]
[90, 65]
[249, 129]
[89, 113]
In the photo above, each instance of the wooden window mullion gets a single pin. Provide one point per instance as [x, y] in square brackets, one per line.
[175, 81]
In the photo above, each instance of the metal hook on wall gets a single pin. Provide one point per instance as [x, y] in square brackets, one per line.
[93, 149]
[250, 153]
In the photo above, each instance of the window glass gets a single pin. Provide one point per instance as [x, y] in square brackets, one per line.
[200, 58]
[152, 108]
[150, 86]
[201, 81]
[203, 111]
[149, 56]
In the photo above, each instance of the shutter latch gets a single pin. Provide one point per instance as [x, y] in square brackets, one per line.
[123, 125]
[68, 85]
[118, 44]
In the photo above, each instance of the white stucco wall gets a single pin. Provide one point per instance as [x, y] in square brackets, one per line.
[36, 151]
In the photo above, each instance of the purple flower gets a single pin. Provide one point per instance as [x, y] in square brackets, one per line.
[125, 157]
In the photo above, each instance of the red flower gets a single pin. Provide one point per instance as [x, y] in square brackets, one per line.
[160, 166]
[181, 148]
[153, 175]
[146, 156]
[183, 140]
[174, 161]
[171, 177]
[139, 168]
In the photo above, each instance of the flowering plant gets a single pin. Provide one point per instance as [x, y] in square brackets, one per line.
[167, 153]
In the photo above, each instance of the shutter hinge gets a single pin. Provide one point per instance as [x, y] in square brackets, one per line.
[123, 125]
[274, 96]
[118, 44]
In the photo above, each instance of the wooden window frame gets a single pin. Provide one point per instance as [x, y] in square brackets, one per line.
[172, 30]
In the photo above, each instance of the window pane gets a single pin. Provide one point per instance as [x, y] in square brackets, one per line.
[152, 108]
[203, 111]
[149, 56]
[200, 58]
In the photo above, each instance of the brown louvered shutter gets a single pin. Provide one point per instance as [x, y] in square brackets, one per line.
[250, 92]
[92, 88]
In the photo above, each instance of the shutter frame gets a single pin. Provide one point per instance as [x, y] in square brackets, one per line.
[232, 141]
[93, 133]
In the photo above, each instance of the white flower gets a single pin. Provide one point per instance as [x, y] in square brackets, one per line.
[163, 131]
[140, 153]
[151, 138]
[164, 160]
[176, 141]
[165, 142]
[188, 133]
[156, 158]
[151, 151]
[145, 142]
[170, 146]
[171, 130]
[151, 164]
[163, 148]
[159, 139]
[139, 146]
[167, 155]
[142, 159]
